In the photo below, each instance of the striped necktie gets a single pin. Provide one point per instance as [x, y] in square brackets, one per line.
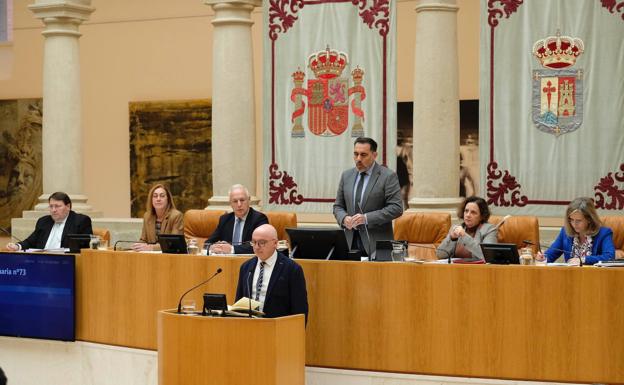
[259, 283]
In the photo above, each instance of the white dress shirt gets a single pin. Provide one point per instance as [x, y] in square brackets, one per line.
[266, 277]
[56, 234]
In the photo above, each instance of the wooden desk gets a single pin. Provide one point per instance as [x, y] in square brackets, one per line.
[234, 351]
[512, 322]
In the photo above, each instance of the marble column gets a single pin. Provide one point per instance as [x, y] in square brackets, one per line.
[436, 108]
[233, 103]
[62, 125]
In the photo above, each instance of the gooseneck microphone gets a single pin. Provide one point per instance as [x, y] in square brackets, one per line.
[7, 232]
[219, 270]
[497, 226]
[539, 245]
[431, 248]
[370, 248]
[124, 241]
[249, 282]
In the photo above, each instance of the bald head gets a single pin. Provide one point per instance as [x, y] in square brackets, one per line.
[264, 239]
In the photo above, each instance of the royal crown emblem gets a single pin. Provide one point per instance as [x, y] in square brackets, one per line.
[328, 96]
[557, 90]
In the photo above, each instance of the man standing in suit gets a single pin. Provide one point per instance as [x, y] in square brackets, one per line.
[271, 278]
[51, 230]
[235, 229]
[368, 199]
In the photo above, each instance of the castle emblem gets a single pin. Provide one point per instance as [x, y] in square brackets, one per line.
[557, 106]
[328, 96]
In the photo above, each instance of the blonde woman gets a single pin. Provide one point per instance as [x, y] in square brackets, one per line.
[161, 217]
[583, 237]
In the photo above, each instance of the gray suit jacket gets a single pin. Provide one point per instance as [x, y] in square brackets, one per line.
[486, 233]
[381, 203]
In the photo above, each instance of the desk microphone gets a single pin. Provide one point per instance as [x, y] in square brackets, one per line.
[122, 241]
[219, 270]
[370, 248]
[249, 282]
[7, 232]
[431, 248]
[539, 245]
[498, 225]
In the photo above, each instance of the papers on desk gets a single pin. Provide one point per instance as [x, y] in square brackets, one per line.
[59, 250]
[612, 263]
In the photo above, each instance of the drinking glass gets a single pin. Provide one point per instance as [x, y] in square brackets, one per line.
[103, 244]
[188, 306]
[94, 243]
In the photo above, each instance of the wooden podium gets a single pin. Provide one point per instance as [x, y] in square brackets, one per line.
[230, 351]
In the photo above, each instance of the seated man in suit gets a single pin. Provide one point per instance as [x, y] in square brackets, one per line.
[234, 229]
[51, 230]
[272, 278]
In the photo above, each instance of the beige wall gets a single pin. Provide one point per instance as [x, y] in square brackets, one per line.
[157, 50]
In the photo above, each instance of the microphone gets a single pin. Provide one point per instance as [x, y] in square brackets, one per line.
[219, 270]
[498, 225]
[249, 282]
[123, 241]
[432, 248]
[539, 245]
[370, 248]
[7, 232]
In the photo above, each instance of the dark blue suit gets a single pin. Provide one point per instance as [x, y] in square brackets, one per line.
[75, 224]
[225, 229]
[286, 293]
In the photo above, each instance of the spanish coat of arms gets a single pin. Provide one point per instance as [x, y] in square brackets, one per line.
[557, 105]
[328, 96]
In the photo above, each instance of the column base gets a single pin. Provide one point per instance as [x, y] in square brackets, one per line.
[449, 205]
[79, 205]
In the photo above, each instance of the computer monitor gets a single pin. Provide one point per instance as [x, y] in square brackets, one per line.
[37, 295]
[500, 253]
[172, 243]
[318, 243]
[75, 242]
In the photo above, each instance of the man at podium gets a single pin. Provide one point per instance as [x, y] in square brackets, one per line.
[271, 278]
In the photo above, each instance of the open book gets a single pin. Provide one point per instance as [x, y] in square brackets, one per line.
[242, 306]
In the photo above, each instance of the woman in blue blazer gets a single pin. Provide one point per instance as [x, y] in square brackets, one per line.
[583, 236]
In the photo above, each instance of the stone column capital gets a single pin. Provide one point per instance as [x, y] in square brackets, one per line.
[75, 11]
[436, 6]
[253, 3]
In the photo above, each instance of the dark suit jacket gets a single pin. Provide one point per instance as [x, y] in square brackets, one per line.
[286, 293]
[225, 228]
[75, 224]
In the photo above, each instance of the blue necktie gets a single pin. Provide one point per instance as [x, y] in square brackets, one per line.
[237, 232]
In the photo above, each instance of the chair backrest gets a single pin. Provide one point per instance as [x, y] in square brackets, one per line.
[616, 223]
[281, 220]
[200, 224]
[517, 229]
[422, 228]
[103, 233]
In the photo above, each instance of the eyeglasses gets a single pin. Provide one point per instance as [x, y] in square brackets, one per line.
[260, 243]
[576, 221]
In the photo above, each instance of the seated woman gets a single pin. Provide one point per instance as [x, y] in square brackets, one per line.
[463, 241]
[161, 217]
[582, 237]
